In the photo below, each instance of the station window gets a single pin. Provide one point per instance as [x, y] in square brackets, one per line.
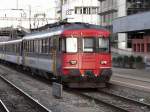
[148, 47]
[86, 10]
[142, 47]
[134, 47]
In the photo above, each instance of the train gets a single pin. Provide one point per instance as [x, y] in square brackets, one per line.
[77, 54]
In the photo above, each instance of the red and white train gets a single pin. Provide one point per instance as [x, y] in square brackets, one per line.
[77, 53]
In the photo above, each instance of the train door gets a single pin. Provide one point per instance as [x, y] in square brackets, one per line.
[54, 53]
[23, 51]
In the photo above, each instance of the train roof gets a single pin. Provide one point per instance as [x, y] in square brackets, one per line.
[57, 29]
[73, 25]
[41, 35]
[10, 42]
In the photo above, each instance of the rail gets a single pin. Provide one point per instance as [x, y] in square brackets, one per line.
[117, 108]
[25, 94]
[3, 107]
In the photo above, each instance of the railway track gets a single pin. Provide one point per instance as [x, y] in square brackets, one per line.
[115, 108]
[3, 107]
[117, 102]
[126, 98]
[17, 100]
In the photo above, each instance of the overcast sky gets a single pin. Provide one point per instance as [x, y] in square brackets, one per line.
[37, 6]
[43, 4]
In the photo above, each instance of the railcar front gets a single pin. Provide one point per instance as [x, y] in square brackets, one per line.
[85, 58]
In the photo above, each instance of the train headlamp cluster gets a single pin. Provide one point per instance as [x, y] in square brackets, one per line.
[73, 62]
[103, 62]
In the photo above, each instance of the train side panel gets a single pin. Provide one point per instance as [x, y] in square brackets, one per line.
[39, 63]
[13, 59]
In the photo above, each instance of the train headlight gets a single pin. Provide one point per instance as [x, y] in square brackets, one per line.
[103, 62]
[73, 62]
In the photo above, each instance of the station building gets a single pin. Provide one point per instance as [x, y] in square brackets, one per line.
[10, 33]
[79, 11]
[137, 27]
[112, 9]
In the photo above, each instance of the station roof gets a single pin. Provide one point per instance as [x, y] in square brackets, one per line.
[8, 31]
[137, 22]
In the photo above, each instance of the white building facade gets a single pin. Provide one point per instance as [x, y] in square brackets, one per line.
[80, 11]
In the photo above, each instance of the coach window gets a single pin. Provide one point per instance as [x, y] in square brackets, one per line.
[35, 46]
[15, 48]
[47, 45]
[19, 47]
[24, 46]
[51, 44]
[32, 44]
[49, 41]
[44, 46]
[40, 46]
[27, 46]
[88, 45]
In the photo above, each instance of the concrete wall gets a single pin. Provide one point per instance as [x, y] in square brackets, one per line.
[132, 23]
[121, 8]
[122, 37]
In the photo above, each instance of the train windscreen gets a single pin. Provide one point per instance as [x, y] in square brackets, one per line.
[68, 45]
[71, 45]
[88, 45]
[103, 45]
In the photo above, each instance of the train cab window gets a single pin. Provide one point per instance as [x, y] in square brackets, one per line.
[103, 45]
[88, 45]
[71, 45]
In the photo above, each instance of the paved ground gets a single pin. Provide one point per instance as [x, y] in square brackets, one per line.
[42, 92]
[136, 73]
[134, 78]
